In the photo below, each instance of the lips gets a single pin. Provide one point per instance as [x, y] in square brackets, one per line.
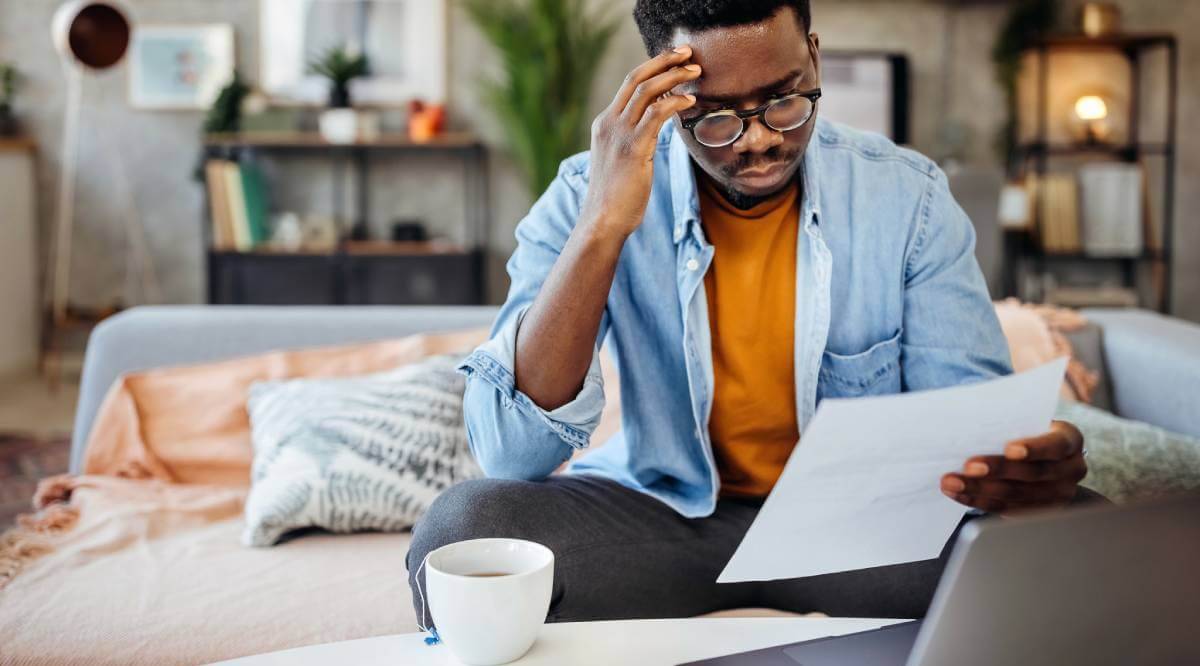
[761, 172]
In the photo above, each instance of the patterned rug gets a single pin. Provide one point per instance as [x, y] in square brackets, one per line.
[24, 461]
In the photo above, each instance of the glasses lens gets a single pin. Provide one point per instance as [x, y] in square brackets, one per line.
[788, 114]
[718, 130]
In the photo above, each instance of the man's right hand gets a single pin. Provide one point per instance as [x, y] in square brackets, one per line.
[624, 136]
[558, 334]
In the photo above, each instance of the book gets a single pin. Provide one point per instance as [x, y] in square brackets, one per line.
[242, 239]
[1058, 213]
[1113, 209]
[255, 194]
[218, 204]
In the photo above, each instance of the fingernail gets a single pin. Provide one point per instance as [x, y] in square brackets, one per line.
[692, 68]
[683, 50]
[953, 485]
[976, 469]
[690, 98]
[1018, 452]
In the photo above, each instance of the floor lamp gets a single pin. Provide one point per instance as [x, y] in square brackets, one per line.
[90, 36]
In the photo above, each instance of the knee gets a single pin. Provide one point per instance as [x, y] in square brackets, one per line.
[477, 509]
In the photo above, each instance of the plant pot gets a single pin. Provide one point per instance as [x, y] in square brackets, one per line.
[339, 97]
[8, 122]
[339, 126]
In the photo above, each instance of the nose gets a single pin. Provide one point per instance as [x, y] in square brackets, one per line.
[758, 138]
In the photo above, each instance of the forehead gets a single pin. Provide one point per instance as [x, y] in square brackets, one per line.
[743, 58]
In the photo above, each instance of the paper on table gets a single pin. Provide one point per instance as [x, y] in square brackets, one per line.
[862, 489]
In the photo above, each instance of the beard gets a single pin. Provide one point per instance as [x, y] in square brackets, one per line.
[743, 201]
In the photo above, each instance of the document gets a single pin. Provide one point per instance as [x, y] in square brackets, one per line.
[863, 487]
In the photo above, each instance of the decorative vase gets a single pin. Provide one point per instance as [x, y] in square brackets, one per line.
[1100, 19]
[339, 126]
[8, 122]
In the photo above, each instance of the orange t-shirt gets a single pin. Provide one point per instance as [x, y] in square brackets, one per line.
[751, 290]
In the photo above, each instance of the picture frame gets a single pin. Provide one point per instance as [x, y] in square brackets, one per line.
[867, 90]
[175, 67]
[405, 41]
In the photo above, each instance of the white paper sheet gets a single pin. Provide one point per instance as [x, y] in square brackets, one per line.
[863, 487]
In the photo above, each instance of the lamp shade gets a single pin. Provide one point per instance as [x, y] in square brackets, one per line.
[92, 33]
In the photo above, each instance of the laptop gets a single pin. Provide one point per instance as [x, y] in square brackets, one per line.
[1099, 585]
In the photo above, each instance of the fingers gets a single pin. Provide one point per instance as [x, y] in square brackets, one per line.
[994, 495]
[647, 70]
[649, 91]
[661, 111]
[1063, 441]
[999, 467]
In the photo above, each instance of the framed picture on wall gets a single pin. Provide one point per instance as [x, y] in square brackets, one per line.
[867, 90]
[404, 42]
[179, 67]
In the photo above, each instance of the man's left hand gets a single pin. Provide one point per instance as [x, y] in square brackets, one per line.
[1033, 473]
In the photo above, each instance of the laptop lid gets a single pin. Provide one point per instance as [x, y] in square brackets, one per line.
[1105, 585]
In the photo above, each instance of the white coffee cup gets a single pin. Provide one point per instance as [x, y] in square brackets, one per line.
[488, 598]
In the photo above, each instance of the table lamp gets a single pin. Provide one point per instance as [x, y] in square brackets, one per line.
[1091, 116]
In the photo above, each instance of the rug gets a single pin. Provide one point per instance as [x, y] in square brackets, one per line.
[25, 460]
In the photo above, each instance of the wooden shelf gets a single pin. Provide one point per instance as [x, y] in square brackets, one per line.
[357, 249]
[310, 140]
[1121, 150]
[1122, 41]
[17, 144]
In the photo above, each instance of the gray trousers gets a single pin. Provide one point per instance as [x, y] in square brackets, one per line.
[621, 554]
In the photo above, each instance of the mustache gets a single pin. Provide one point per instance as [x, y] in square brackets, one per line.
[761, 161]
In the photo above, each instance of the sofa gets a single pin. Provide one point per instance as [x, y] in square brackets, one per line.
[1149, 363]
[200, 596]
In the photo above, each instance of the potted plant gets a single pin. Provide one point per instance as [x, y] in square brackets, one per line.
[9, 78]
[341, 66]
[549, 50]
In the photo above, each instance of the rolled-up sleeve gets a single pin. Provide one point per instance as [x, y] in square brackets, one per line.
[951, 332]
[510, 435]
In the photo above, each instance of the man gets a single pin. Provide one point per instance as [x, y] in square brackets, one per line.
[743, 260]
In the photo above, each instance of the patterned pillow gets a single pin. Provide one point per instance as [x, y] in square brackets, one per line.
[1130, 460]
[356, 454]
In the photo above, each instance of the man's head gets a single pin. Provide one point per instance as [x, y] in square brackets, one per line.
[751, 52]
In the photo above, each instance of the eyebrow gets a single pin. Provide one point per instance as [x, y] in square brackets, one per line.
[759, 91]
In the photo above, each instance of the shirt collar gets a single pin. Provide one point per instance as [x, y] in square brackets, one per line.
[685, 197]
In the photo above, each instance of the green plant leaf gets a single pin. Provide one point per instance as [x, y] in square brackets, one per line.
[549, 51]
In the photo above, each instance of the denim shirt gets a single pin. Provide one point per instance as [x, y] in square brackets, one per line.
[889, 298]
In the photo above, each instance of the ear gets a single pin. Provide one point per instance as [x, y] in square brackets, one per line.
[814, 42]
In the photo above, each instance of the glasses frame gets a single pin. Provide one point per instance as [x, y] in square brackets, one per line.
[759, 112]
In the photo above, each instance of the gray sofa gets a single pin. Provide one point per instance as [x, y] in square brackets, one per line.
[1151, 363]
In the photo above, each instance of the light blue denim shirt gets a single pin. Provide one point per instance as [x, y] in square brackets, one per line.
[889, 298]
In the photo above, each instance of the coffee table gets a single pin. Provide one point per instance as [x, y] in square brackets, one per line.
[648, 642]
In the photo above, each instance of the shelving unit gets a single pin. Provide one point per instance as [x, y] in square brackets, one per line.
[1020, 248]
[356, 272]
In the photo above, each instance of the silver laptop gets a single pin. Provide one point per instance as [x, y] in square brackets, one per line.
[1103, 585]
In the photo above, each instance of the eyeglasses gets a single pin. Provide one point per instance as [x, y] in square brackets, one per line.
[782, 114]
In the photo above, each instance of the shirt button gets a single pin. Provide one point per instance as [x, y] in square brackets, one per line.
[693, 265]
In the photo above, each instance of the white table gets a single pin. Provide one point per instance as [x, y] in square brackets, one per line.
[649, 642]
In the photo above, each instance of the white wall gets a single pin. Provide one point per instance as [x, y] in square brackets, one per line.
[18, 268]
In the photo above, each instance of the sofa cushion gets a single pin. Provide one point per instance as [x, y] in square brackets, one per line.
[1129, 460]
[355, 454]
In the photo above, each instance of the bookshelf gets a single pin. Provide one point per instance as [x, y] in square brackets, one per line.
[353, 272]
[1024, 253]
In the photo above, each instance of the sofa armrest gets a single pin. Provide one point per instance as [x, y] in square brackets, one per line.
[151, 337]
[1153, 364]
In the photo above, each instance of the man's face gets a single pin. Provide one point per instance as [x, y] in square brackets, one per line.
[744, 67]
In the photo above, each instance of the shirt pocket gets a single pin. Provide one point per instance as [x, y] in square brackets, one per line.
[875, 371]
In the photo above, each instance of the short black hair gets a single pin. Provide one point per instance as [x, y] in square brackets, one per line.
[658, 20]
